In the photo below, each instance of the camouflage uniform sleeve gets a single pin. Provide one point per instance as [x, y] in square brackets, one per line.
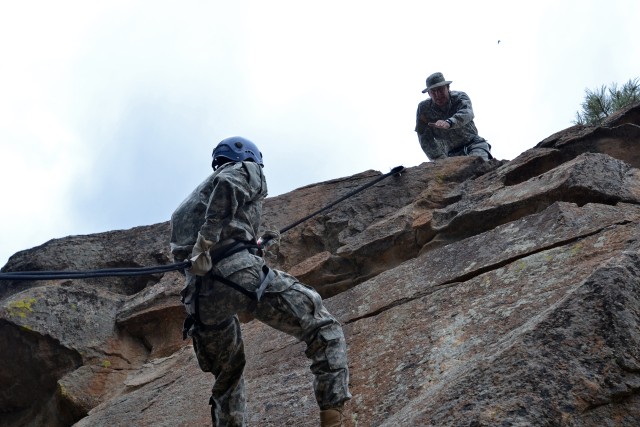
[426, 137]
[231, 190]
[430, 147]
[421, 124]
[463, 110]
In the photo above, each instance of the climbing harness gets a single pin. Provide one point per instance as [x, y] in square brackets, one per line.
[143, 271]
[266, 275]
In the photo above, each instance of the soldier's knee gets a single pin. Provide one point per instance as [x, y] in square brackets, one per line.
[331, 345]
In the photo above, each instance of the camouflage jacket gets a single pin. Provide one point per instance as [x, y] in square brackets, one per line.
[226, 205]
[438, 143]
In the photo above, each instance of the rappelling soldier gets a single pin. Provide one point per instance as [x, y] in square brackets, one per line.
[216, 227]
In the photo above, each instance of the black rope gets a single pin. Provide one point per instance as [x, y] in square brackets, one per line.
[142, 271]
[108, 272]
[396, 170]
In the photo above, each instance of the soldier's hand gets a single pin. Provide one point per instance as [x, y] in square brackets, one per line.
[440, 124]
[200, 258]
[268, 238]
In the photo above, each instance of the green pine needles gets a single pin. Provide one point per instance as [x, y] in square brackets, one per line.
[600, 103]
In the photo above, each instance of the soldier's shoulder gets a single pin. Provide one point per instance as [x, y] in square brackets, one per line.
[425, 103]
[458, 94]
[251, 165]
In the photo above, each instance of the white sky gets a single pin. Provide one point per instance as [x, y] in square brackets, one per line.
[109, 110]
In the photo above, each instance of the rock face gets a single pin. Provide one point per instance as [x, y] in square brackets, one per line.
[472, 294]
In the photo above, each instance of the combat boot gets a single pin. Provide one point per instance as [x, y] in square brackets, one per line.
[331, 417]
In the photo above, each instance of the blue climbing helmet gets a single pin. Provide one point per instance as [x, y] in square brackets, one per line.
[235, 149]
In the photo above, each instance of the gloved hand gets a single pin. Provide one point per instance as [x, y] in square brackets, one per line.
[200, 257]
[269, 238]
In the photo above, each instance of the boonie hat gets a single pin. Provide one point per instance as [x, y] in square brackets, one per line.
[435, 80]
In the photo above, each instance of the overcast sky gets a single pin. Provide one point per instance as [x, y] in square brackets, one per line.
[109, 110]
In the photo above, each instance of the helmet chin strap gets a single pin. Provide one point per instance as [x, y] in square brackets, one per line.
[220, 161]
[216, 164]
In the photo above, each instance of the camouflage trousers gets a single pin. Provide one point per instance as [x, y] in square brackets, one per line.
[288, 306]
[478, 147]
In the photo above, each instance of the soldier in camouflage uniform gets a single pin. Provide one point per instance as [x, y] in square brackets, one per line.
[216, 227]
[444, 123]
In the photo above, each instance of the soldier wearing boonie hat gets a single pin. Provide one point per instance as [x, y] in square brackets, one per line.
[444, 123]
